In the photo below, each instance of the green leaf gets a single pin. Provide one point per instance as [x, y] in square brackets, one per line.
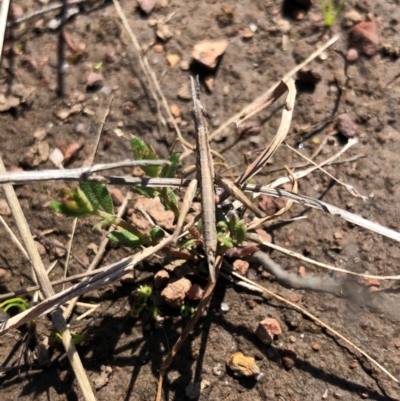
[225, 241]
[147, 192]
[143, 152]
[104, 223]
[188, 243]
[169, 171]
[19, 303]
[98, 196]
[223, 225]
[156, 233]
[169, 201]
[124, 238]
[74, 204]
[240, 232]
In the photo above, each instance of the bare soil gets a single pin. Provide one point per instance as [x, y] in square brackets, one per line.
[134, 349]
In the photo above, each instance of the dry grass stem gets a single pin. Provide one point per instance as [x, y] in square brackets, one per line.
[256, 237]
[265, 95]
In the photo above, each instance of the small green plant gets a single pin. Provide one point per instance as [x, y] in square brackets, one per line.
[230, 232]
[329, 11]
[95, 200]
[19, 303]
[142, 303]
[187, 310]
[76, 338]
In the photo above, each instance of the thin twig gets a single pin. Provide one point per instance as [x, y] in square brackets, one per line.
[44, 10]
[100, 131]
[75, 174]
[205, 176]
[179, 183]
[256, 238]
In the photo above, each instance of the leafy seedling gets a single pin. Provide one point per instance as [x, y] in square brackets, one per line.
[187, 310]
[329, 11]
[19, 303]
[93, 199]
[142, 304]
[167, 197]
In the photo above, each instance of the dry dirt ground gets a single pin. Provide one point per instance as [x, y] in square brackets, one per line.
[366, 89]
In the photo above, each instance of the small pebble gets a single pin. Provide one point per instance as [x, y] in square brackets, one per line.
[267, 329]
[56, 157]
[352, 55]
[224, 307]
[4, 275]
[316, 347]
[4, 208]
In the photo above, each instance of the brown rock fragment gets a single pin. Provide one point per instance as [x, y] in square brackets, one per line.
[289, 356]
[243, 365]
[365, 38]
[161, 279]
[94, 79]
[207, 52]
[267, 329]
[241, 266]
[372, 282]
[4, 275]
[174, 293]
[4, 208]
[195, 292]
[346, 125]
[146, 5]
[117, 196]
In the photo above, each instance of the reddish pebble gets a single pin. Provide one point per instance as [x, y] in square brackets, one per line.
[364, 36]
[94, 79]
[295, 299]
[352, 55]
[195, 292]
[267, 329]
[289, 356]
[346, 125]
[4, 208]
[372, 282]
[71, 150]
[264, 235]
[158, 48]
[146, 5]
[353, 365]
[316, 347]
[174, 293]
[302, 271]
[364, 395]
[241, 266]
[397, 344]
[4, 275]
